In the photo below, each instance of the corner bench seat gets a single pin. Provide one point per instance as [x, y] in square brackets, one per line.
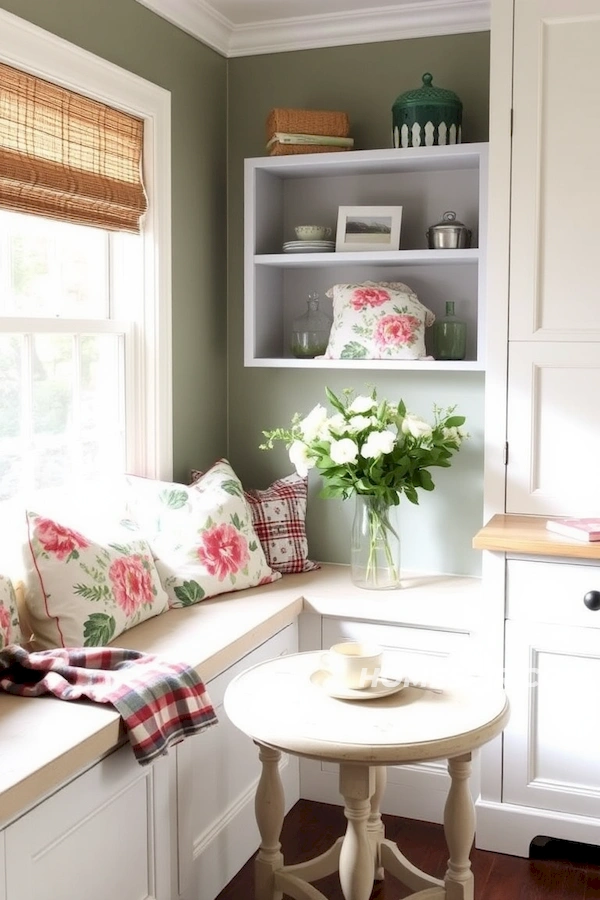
[45, 742]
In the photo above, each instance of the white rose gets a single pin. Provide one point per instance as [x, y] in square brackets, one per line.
[344, 451]
[451, 434]
[416, 427]
[337, 424]
[359, 423]
[300, 459]
[312, 424]
[378, 443]
[362, 405]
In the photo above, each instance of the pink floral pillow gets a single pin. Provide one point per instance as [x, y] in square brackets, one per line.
[279, 518]
[201, 535]
[10, 631]
[82, 593]
[377, 320]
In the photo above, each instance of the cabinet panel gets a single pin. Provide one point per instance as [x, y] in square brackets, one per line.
[551, 758]
[555, 172]
[552, 592]
[553, 427]
[97, 836]
[283, 192]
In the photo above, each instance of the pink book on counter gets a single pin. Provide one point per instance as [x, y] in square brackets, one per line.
[581, 529]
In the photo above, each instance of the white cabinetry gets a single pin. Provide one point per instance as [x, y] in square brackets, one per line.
[554, 373]
[416, 791]
[282, 192]
[106, 834]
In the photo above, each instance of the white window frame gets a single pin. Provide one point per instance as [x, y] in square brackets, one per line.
[149, 410]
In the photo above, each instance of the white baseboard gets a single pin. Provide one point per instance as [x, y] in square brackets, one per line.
[507, 828]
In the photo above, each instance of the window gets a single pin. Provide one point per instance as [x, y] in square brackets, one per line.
[85, 356]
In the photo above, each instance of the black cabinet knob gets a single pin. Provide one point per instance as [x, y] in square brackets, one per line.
[592, 600]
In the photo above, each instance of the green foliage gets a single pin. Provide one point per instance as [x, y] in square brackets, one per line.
[93, 592]
[370, 446]
[98, 630]
[173, 499]
[189, 593]
[232, 487]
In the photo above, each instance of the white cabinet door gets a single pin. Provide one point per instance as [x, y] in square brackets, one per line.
[106, 834]
[551, 756]
[553, 429]
[415, 791]
[555, 172]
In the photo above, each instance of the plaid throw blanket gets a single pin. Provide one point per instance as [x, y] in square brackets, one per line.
[159, 702]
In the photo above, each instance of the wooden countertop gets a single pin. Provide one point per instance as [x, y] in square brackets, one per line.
[44, 742]
[528, 534]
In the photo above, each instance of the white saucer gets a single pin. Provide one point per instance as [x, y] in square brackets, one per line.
[325, 680]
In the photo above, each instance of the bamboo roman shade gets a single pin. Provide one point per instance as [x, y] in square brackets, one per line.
[67, 157]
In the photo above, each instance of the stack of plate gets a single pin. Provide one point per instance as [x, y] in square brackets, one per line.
[309, 247]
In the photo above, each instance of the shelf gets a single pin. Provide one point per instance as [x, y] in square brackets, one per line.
[387, 258]
[391, 365]
[528, 534]
[283, 192]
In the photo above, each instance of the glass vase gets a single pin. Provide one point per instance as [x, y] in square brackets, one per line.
[375, 550]
[310, 332]
[449, 335]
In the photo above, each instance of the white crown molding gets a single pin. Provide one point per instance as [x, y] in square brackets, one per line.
[198, 18]
[407, 20]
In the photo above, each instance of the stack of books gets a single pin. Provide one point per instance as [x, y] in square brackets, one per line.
[291, 131]
[580, 529]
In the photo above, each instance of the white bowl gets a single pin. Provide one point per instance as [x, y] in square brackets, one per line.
[312, 232]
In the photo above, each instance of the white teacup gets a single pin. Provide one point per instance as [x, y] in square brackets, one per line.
[312, 232]
[354, 664]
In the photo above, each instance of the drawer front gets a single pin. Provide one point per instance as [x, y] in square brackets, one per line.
[552, 592]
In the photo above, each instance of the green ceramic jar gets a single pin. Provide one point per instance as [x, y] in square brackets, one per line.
[426, 116]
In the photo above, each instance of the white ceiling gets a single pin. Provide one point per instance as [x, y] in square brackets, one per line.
[250, 27]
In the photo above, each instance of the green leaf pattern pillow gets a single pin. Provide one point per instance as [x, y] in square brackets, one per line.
[83, 593]
[202, 535]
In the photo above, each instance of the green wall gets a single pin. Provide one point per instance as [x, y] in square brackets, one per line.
[131, 36]
[363, 80]
[219, 109]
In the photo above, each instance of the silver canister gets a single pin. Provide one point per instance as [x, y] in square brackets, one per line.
[448, 234]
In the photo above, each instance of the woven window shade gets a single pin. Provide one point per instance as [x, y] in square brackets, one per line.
[67, 157]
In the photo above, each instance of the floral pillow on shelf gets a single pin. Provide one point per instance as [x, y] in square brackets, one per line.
[377, 320]
[201, 535]
[10, 631]
[83, 592]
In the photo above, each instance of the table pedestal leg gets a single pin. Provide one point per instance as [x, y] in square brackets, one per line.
[374, 824]
[357, 785]
[459, 828]
[269, 807]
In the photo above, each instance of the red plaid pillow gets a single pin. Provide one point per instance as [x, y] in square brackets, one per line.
[278, 516]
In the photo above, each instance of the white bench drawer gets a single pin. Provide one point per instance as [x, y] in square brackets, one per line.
[552, 592]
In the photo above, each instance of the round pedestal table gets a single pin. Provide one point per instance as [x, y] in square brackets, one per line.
[283, 705]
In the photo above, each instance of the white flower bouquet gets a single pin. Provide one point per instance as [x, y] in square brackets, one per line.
[372, 448]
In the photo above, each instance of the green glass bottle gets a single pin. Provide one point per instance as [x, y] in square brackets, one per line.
[449, 335]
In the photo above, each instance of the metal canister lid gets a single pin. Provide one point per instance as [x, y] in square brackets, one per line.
[449, 218]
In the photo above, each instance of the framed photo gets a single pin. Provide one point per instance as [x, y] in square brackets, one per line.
[368, 228]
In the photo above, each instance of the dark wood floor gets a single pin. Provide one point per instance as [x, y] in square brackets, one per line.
[568, 872]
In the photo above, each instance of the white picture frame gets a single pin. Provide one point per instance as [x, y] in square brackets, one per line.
[364, 228]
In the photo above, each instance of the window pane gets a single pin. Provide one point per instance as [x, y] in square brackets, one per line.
[50, 268]
[61, 410]
[11, 396]
[102, 412]
[52, 388]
